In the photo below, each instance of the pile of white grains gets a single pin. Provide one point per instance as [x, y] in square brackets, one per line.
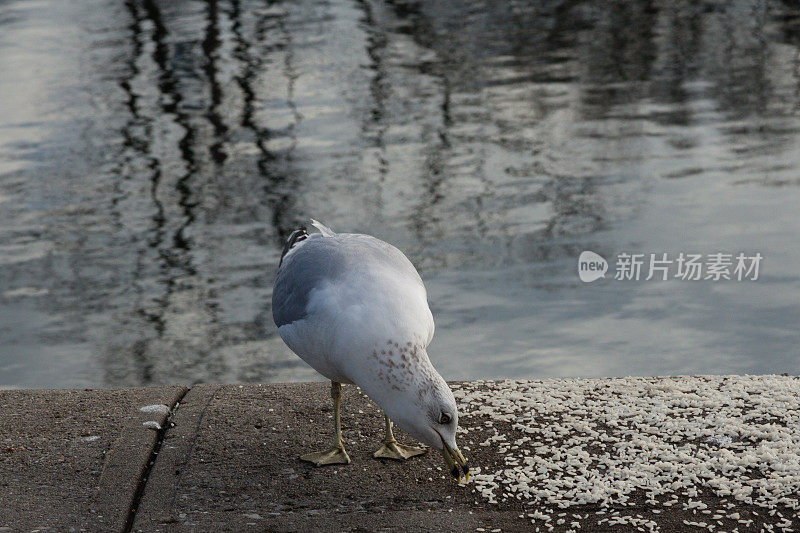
[705, 445]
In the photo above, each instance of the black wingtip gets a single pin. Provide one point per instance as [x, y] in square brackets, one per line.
[465, 468]
[297, 235]
[455, 473]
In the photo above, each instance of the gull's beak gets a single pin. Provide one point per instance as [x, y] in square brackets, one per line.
[456, 462]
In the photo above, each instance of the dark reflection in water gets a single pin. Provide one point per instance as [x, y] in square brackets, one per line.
[154, 155]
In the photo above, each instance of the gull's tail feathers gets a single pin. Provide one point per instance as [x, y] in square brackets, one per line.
[325, 230]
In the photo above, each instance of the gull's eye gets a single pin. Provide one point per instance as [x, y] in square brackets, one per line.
[444, 418]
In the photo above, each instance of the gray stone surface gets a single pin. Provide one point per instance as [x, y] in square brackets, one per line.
[71, 460]
[230, 462]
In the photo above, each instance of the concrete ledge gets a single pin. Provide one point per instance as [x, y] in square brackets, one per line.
[72, 460]
[649, 454]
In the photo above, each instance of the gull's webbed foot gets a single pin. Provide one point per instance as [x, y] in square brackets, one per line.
[334, 456]
[397, 451]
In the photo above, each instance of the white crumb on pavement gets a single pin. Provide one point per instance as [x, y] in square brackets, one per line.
[156, 408]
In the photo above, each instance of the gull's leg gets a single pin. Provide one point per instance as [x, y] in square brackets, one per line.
[336, 455]
[392, 449]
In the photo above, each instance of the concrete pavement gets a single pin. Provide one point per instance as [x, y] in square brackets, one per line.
[72, 460]
[81, 459]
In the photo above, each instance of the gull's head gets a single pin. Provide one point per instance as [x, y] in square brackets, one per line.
[433, 420]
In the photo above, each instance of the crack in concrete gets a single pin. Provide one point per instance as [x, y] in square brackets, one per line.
[190, 452]
[142, 485]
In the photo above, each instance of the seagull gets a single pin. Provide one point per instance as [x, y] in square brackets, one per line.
[355, 309]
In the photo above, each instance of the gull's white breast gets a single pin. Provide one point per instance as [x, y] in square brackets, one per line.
[340, 299]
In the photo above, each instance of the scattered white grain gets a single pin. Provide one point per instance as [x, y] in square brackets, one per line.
[599, 441]
[155, 408]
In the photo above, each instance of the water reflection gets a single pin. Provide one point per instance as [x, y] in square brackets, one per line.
[153, 161]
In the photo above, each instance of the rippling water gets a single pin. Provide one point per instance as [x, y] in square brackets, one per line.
[154, 155]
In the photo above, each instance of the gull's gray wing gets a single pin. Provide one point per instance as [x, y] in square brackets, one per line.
[322, 259]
